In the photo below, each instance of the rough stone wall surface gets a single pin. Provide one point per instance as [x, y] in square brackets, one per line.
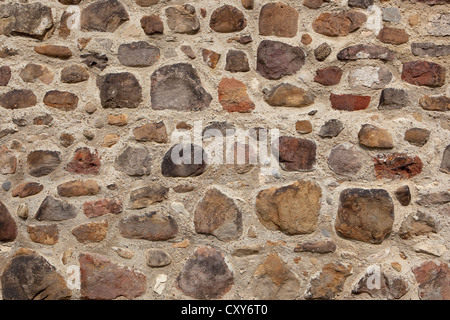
[93, 207]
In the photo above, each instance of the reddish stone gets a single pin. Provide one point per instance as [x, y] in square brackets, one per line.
[44, 234]
[84, 162]
[27, 189]
[366, 51]
[18, 99]
[61, 100]
[297, 154]
[393, 36]
[424, 73]
[435, 103]
[329, 283]
[91, 232]
[306, 39]
[278, 19]
[53, 51]
[77, 188]
[8, 227]
[335, 24]
[101, 207]
[434, 280]
[233, 96]
[397, 166]
[329, 76]
[349, 102]
[210, 57]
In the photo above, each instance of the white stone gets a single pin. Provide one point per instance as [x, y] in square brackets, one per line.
[160, 283]
[178, 207]
[374, 20]
[432, 248]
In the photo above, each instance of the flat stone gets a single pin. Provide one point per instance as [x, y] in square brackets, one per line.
[218, 215]
[237, 61]
[433, 248]
[363, 4]
[143, 197]
[374, 137]
[53, 51]
[227, 19]
[155, 131]
[329, 76]
[61, 100]
[397, 166]
[134, 161]
[418, 224]
[152, 24]
[433, 278]
[392, 14]
[349, 102]
[78, 188]
[369, 77]
[138, 54]
[323, 246]
[124, 252]
[157, 258]
[183, 19]
[435, 103]
[52, 209]
[91, 232]
[103, 16]
[292, 209]
[439, 25]
[334, 24]
[43, 162]
[66, 139]
[191, 160]
[205, 275]
[345, 159]
[233, 96]
[249, 250]
[8, 226]
[331, 128]
[430, 49]
[393, 36]
[366, 51]
[211, 58]
[149, 226]
[278, 19]
[28, 276]
[27, 189]
[423, 73]
[178, 87]
[101, 207]
[273, 280]
[119, 120]
[43, 120]
[102, 279]
[329, 282]
[322, 51]
[18, 99]
[434, 198]
[48, 234]
[95, 60]
[403, 195]
[74, 74]
[417, 136]
[445, 163]
[187, 50]
[296, 154]
[365, 215]
[381, 286]
[8, 161]
[277, 59]
[146, 3]
[393, 99]
[287, 95]
[119, 90]
[303, 126]
[5, 75]
[84, 162]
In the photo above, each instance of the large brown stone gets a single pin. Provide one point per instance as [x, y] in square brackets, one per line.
[43, 162]
[78, 188]
[27, 189]
[329, 283]
[74, 74]
[33, 72]
[119, 90]
[365, 215]
[374, 137]
[152, 24]
[349, 102]
[237, 61]
[345, 159]
[54, 51]
[101, 207]
[183, 19]
[184, 160]
[134, 161]
[342, 23]
[46, 234]
[52, 209]
[296, 154]
[287, 95]
[233, 96]
[292, 209]
[423, 73]
[143, 197]
[393, 36]
[397, 166]
[138, 54]
[61, 100]
[329, 76]
[226, 19]
[151, 226]
[104, 16]
[278, 19]
[434, 280]
[155, 131]
[91, 232]
[84, 162]
[8, 227]
[435, 103]
[18, 99]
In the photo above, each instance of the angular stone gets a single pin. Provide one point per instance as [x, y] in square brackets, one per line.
[53, 51]
[277, 59]
[43, 162]
[418, 224]
[218, 215]
[345, 159]
[157, 258]
[44, 120]
[292, 209]
[233, 96]
[273, 280]
[143, 197]
[155, 131]
[445, 163]
[91, 232]
[329, 76]
[205, 275]
[31, 20]
[61, 100]
[78, 188]
[27, 189]
[152, 24]
[149, 226]
[439, 25]
[424, 73]
[5, 75]
[334, 24]
[287, 95]
[101, 207]
[329, 282]
[316, 247]
[366, 51]
[374, 137]
[138, 54]
[392, 99]
[52, 209]
[349, 102]
[434, 280]
[278, 19]
[18, 99]
[430, 49]
[363, 4]
[237, 61]
[96, 60]
[248, 4]
[178, 87]
[134, 161]
[74, 74]
[187, 50]
[28, 276]
[226, 19]
[435, 103]
[119, 90]
[102, 279]
[84, 162]
[403, 195]
[48, 234]
[296, 154]
[211, 58]
[331, 128]
[8, 227]
[303, 126]
[191, 157]
[417, 136]
[104, 16]
[365, 215]
[397, 166]
[387, 286]
[8, 161]
[322, 51]
[183, 19]
[369, 77]
[434, 198]
[392, 14]
[433, 248]
[393, 36]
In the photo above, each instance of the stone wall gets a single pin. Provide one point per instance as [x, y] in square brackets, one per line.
[94, 207]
